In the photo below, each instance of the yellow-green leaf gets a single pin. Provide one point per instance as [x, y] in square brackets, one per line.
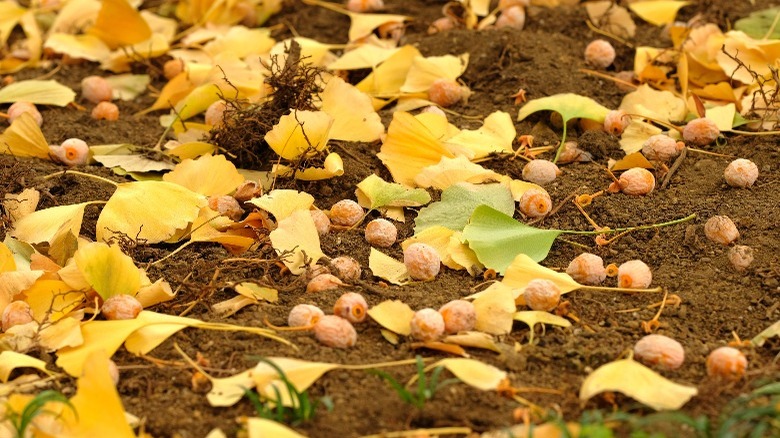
[48, 92]
[43, 225]
[473, 372]
[108, 270]
[657, 12]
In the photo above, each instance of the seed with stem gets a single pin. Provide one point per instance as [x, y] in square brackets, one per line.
[636, 181]
[535, 203]
[634, 274]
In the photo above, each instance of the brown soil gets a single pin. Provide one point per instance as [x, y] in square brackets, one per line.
[544, 59]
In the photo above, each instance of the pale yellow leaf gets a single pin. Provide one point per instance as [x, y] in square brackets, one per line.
[449, 171]
[87, 47]
[156, 329]
[43, 225]
[121, 59]
[769, 332]
[231, 306]
[64, 333]
[296, 239]
[495, 136]
[257, 292]
[364, 56]
[24, 138]
[300, 133]
[354, 118]
[300, 373]
[19, 205]
[49, 92]
[99, 411]
[227, 391]
[14, 283]
[655, 104]
[127, 157]
[149, 210]
[107, 336]
[11, 360]
[208, 175]
[657, 12]
[10, 14]
[523, 270]
[463, 255]
[387, 268]
[518, 187]
[155, 293]
[533, 317]
[409, 147]
[424, 71]
[108, 270]
[474, 340]
[192, 149]
[394, 315]
[265, 428]
[364, 24]
[332, 166]
[759, 55]
[636, 134]
[240, 42]
[495, 307]
[611, 18]
[638, 382]
[128, 86]
[387, 79]
[722, 115]
[282, 203]
[473, 372]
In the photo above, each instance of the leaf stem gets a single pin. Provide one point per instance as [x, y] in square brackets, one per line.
[563, 142]
[639, 227]
[86, 175]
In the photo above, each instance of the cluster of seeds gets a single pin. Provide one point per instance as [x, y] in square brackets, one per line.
[589, 269]
[454, 317]
[334, 330]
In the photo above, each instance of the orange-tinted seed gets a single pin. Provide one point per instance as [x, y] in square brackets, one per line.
[634, 274]
[173, 68]
[215, 113]
[660, 350]
[322, 283]
[96, 89]
[636, 181]
[226, 206]
[346, 213]
[459, 316]
[365, 5]
[352, 307]
[16, 313]
[381, 233]
[661, 147]
[741, 173]
[726, 362]
[18, 108]
[721, 229]
[535, 203]
[445, 92]
[72, 152]
[422, 261]
[600, 53]
[540, 171]
[321, 221]
[304, 315]
[427, 325]
[335, 331]
[616, 121]
[587, 268]
[119, 307]
[542, 294]
[513, 17]
[106, 111]
[701, 131]
[347, 268]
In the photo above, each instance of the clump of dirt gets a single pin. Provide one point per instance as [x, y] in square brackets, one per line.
[292, 85]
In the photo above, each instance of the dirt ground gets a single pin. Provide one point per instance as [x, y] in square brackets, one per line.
[544, 59]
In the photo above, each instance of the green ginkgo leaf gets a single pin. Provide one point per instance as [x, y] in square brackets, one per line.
[759, 23]
[458, 203]
[569, 106]
[497, 238]
[381, 193]
[48, 92]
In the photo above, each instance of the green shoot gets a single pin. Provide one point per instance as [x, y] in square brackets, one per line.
[21, 421]
[272, 408]
[426, 386]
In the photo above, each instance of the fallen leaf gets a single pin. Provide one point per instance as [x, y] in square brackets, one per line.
[611, 18]
[635, 159]
[473, 372]
[387, 268]
[152, 211]
[296, 239]
[364, 56]
[49, 92]
[386, 79]
[497, 238]
[128, 86]
[475, 340]
[119, 24]
[19, 205]
[24, 139]
[300, 373]
[282, 203]
[300, 133]
[51, 300]
[524, 269]
[534, 317]
[263, 427]
[654, 104]
[381, 193]
[449, 171]
[769, 332]
[11, 360]
[257, 292]
[495, 136]
[657, 12]
[638, 382]
[208, 175]
[87, 47]
[636, 134]
[43, 225]
[424, 71]
[354, 118]
[758, 24]
[459, 203]
[568, 105]
[495, 308]
[394, 315]
[108, 270]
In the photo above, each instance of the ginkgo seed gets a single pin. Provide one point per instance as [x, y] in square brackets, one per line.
[335, 331]
[535, 203]
[660, 350]
[422, 261]
[636, 181]
[741, 173]
[381, 233]
[445, 92]
[322, 283]
[346, 213]
[347, 268]
[106, 111]
[726, 362]
[721, 229]
[427, 325]
[352, 307]
[120, 307]
[661, 147]
[542, 294]
[459, 316]
[616, 121]
[72, 152]
[16, 313]
[18, 108]
[540, 171]
[634, 274]
[587, 268]
[701, 131]
[512, 17]
[740, 256]
[600, 53]
[321, 221]
[304, 315]
[96, 89]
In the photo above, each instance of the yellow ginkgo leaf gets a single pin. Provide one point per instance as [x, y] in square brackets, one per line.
[24, 139]
[364, 24]
[495, 136]
[121, 59]
[208, 175]
[638, 382]
[49, 92]
[354, 118]
[263, 427]
[657, 12]
[449, 171]
[209, 226]
[51, 300]
[655, 104]
[475, 340]
[364, 56]
[108, 270]
[523, 270]
[43, 225]
[192, 149]
[64, 333]
[14, 283]
[409, 147]
[98, 409]
[154, 293]
[300, 132]
[463, 255]
[394, 315]
[760, 55]
[387, 79]
[495, 308]
[240, 42]
[333, 166]
[635, 159]
[252, 290]
[149, 210]
[7, 263]
[297, 241]
[11, 360]
[300, 373]
[10, 14]
[611, 18]
[19, 205]
[316, 53]
[87, 47]
[227, 391]
[425, 70]
[282, 203]
[723, 116]
[473, 372]
[119, 24]
[534, 317]
[387, 268]
[636, 134]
